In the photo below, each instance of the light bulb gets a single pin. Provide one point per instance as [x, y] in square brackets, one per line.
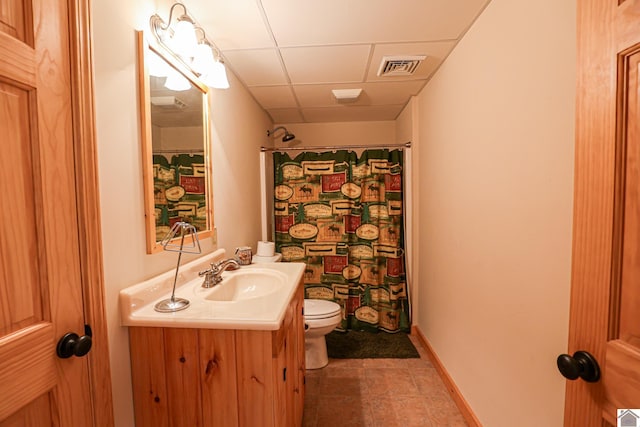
[184, 40]
[216, 76]
[203, 58]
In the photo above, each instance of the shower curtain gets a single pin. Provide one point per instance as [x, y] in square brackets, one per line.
[343, 216]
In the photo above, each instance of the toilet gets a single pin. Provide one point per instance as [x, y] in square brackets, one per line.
[320, 318]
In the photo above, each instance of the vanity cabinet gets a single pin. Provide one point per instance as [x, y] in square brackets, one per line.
[220, 377]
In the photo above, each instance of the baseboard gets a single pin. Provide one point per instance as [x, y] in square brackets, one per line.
[460, 402]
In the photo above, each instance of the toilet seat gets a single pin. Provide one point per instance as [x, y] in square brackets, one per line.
[317, 309]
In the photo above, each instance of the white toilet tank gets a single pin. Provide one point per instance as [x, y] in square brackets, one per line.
[257, 259]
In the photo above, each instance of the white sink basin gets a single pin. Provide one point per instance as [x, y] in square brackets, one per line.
[253, 297]
[245, 284]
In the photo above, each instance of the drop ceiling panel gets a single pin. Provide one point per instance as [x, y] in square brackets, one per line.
[261, 67]
[393, 93]
[290, 54]
[296, 23]
[352, 114]
[286, 115]
[326, 64]
[236, 24]
[274, 96]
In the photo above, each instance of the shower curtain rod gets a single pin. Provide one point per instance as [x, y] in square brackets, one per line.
[339, 147]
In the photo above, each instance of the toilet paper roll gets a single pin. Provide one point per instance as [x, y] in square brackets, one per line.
[266, 248]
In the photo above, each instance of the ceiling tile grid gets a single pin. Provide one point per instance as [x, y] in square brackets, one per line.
[291, 54]
[326, 64]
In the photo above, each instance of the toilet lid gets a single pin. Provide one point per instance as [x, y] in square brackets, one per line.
[319, 308]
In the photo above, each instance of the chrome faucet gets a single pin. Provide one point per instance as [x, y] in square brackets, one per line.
[213, 275]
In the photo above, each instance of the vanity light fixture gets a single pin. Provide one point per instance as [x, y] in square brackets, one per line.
[211, 70]
[189, 44]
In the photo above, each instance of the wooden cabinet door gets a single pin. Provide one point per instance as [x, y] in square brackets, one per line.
[40, 277]
[256, 377]
[606, 259]
[283, 370]
[281, 381]
[296, 358]
[184, 377]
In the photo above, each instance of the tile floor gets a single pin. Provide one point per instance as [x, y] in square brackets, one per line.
[353, 393]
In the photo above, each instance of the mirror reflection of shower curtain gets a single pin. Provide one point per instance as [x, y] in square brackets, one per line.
[343, 216]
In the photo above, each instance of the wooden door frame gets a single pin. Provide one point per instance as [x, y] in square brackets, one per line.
[88, 208]
[595, 179]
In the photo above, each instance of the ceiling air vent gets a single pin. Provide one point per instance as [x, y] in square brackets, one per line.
[168, 102]
[399, 65]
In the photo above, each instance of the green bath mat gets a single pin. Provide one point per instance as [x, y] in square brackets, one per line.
[368, 345]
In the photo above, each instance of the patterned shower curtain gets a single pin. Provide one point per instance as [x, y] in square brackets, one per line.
[343, 216]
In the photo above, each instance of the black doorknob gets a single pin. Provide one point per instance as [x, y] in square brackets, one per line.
[581, 365]
[73, 345]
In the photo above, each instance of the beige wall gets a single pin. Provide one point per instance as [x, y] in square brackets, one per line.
[496, 132]
[238, 130]
[404, 124]
[338, 133]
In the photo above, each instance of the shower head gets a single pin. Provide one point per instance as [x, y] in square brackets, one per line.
[288, 136]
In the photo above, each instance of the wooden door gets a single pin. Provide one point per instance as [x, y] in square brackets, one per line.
[605, 296]
[41, 293]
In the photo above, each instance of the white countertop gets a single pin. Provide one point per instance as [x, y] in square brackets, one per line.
[263, 313]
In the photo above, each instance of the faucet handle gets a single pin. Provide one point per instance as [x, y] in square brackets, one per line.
[215, 267]
[205, 272]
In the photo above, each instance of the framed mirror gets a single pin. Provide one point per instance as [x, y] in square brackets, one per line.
[176, 145]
